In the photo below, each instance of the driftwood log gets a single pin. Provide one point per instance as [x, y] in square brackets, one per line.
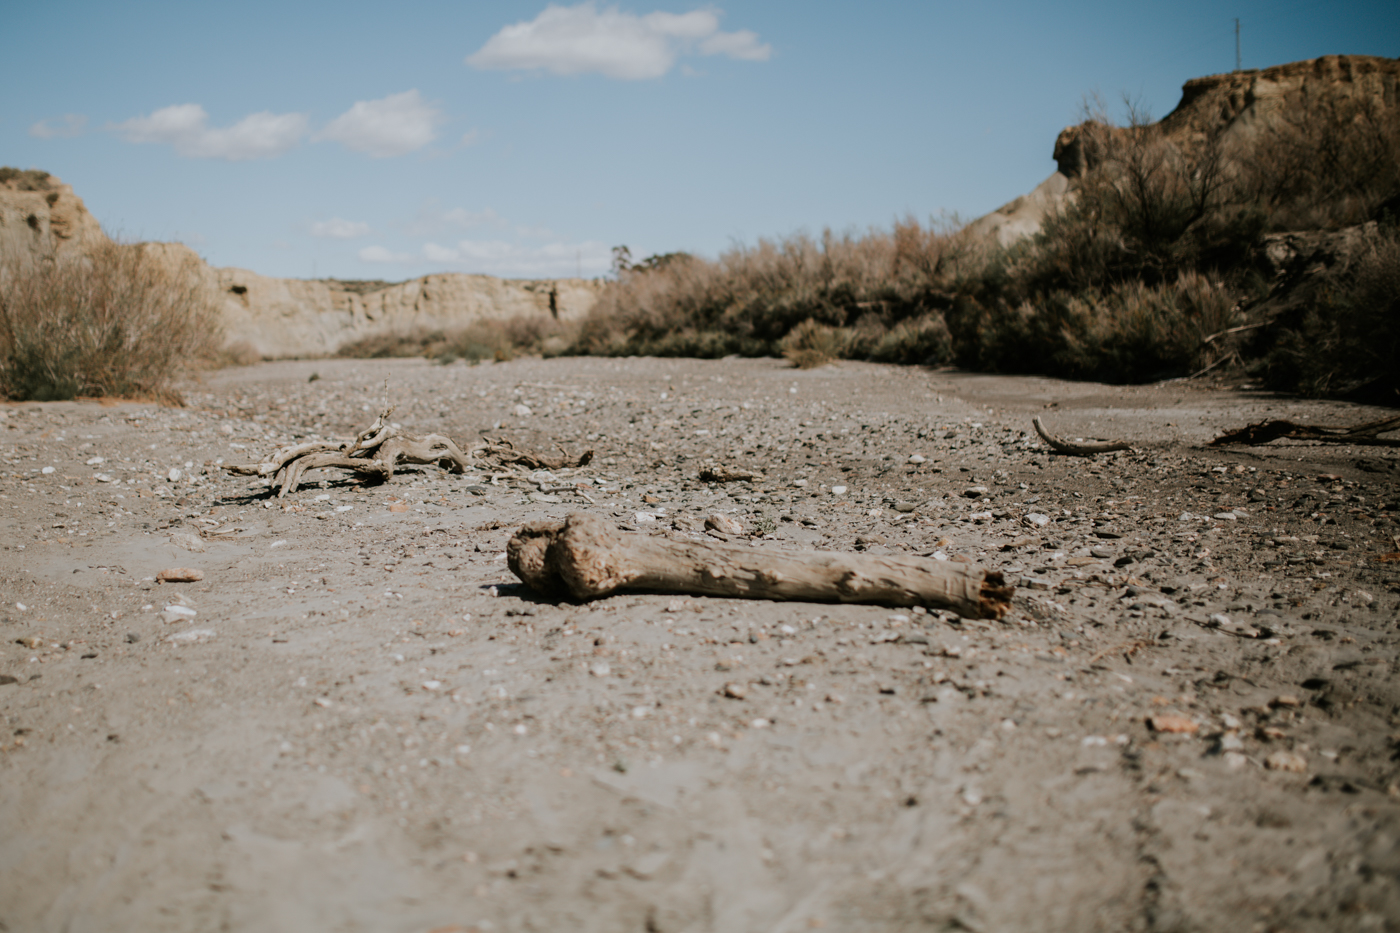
[1076, 449]
[585, 557]
[380, 448]
[1265, 431]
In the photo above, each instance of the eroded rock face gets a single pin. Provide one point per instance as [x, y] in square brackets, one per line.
[1236, 109]
[39, 215]
[279, 318]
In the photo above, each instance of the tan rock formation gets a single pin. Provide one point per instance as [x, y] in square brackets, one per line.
[1236, 109]
[39, 215]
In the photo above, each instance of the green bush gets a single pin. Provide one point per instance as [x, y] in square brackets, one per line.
[119, 320]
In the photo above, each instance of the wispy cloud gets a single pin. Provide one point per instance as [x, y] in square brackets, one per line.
[64, 127]
[380, 254]
[391, 126]
[338, 229]
[432, 220]
[501, 257]
[584, 39]
[186, 127]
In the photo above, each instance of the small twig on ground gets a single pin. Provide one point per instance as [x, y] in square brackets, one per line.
[1128, 650]
[726, 475]
[1074, 449]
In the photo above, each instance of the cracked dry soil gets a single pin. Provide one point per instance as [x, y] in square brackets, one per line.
[357, 720]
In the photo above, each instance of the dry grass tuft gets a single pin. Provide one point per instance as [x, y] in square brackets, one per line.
[117, 321]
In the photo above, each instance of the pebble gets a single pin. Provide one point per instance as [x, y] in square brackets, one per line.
[191, 635]
[974, 492]
[180, 575]
[601, 669]
[724, 524]
[735, 691]
[174, 613]
[188, 542]
[838, 490]
[1036, 519]
[522, 411]
[905, 506]
[1168, 722]
[46, 470]
[174, 475]
[1286, 761]
[916, 458]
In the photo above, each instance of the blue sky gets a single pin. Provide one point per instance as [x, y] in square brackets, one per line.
[525, 139]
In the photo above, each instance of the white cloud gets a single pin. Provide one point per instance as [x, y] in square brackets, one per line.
[380, 254]
[499, 257]
[391, 126]
[186, 127]
[338, 229]
[65, 127]
[583, 39]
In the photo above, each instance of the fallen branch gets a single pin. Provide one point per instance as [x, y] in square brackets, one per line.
[586, 558]
[1076, 450]
[1265, 431]
[504, 452]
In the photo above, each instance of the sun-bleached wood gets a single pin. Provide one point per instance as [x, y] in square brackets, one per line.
[585, 557]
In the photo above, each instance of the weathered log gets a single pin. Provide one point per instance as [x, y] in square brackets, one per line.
[1073, 449]
[585, 557]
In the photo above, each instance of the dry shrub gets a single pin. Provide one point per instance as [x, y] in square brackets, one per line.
[809, 345]
[748, 300]
[1346, 340]
[486, 339]
[116, 321]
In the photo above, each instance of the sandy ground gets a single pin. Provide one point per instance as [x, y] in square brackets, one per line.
[359, 721]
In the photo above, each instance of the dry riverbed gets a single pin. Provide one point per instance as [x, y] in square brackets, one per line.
[358, 720]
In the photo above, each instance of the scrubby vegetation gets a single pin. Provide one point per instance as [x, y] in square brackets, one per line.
[1156, 266]
[116, 320]
[482, 340]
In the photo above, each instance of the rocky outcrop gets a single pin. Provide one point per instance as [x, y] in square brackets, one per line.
[40, 215]
[281, 318]
[1236, 111]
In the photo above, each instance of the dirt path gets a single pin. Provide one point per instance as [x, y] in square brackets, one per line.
[358, 721]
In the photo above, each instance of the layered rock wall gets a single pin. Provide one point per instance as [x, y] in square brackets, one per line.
[40, 216]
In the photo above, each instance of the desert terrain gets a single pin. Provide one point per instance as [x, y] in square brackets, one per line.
[359, 720]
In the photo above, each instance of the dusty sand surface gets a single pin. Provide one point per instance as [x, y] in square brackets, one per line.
[358, 720]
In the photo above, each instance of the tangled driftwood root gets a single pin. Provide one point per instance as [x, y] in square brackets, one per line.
[1266, 431]
[585, 557]
[379, 449]
[1076, 449]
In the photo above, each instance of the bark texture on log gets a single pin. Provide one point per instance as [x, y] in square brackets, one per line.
[585, 557]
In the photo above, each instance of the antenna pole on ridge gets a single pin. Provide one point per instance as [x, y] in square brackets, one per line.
[1237, 43]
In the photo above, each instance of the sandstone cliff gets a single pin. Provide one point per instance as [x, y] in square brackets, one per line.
[1235, 111]
[39, 215]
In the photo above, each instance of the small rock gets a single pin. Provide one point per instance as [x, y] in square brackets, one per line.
[398, 507]
[522, 411]
[46, 470]
[724, 524]
[799, 483]
[189, 636]
[94, 461]
[187, 541]
[132, 638]
[1167, 722]
[174, 475]
[916, 458]
[838, 490]
[30, 641]
[601, 669]
[1036, 519]
[1286, 761]
[735, 691]
[1102, 552]
[174, 614]
[1285, 699]
[974, 492]
[180, 575]
[905, 506]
